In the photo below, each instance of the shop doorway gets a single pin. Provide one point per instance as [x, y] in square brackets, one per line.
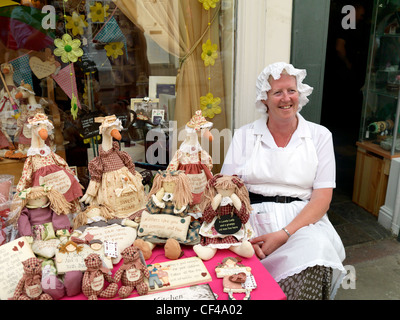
[343, 83]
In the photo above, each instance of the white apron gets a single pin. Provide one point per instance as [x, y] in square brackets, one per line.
[316, 244]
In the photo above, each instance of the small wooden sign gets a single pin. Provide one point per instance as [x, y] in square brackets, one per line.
[40, 68]
[177, 273]
[11, 270]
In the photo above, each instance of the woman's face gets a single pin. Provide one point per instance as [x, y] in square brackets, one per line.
[283, 98]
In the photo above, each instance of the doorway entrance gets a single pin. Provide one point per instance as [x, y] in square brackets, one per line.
[345, 69]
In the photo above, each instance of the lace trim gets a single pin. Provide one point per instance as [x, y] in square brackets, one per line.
[43, 152]
[187, 148]
[275, 70]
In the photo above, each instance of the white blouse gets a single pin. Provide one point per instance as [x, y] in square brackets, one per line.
[269, 176]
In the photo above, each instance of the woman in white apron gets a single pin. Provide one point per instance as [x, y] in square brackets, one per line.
[288, 166]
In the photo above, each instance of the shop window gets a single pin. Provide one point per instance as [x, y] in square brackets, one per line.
[152, 63]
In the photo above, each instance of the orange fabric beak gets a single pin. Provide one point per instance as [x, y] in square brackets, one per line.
[43, 134]
[115, 134]
[18, 95]
[6, 71]
[208, 135]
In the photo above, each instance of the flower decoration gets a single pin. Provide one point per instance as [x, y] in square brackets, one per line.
[76, 22]
[98, 12]
[114, 49]
[68, 49]
[207, 4]
[74, 106]
[209, 53]
[210, 105]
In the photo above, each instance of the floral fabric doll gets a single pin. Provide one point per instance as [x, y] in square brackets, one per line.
[168, 200]
[194, 160]
[226, 212]
[43, 166]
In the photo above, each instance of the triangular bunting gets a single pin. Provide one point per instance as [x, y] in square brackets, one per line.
[111, 32]
[67, 81]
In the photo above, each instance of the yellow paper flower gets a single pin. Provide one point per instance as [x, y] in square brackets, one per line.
[114, 49]
[209, 53]
[98, 12]
[207, 4]
[76, 22]
[210, 105]
[68, 49]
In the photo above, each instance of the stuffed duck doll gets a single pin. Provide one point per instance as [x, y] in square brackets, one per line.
[43, 166]
[114, 180]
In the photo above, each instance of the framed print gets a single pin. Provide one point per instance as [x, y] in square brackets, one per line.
[161, 85]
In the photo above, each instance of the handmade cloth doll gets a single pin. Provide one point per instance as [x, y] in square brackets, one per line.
[8, 104]
[6, 145]
[43, 166]
[28, 109]
[42, 217]
[226, 211]
[93, 283]
[194, 160]
[132, 273]
[29, 287]
[165, 219]
[114, 180]
[43, 214]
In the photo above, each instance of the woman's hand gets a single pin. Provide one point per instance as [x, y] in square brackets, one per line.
[268, 243]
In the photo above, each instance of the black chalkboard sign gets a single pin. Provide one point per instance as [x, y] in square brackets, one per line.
[89, 127]
[228, 224]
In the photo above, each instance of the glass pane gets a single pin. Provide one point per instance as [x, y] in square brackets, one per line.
[379, 125]
[147, 62]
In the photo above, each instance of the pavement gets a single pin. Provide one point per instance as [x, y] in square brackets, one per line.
[372, 253]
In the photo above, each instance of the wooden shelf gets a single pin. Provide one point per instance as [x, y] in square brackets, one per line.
[372, 147]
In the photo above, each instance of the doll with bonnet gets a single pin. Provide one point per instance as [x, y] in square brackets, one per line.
[43, 166]
[8, 101]
[166, 219]
[226, 211]
[28, 109]
[193, 159]
[114, 180]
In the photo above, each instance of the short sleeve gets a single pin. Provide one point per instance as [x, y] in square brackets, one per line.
[326, 171]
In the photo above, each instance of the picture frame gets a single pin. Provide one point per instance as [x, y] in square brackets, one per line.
[161, 85]
[157, 116]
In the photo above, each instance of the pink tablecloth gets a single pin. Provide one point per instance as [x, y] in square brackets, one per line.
[267, 288]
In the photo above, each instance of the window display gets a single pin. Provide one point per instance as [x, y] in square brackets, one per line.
[94, 97]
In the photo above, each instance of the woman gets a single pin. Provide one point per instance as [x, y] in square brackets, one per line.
[288, 166]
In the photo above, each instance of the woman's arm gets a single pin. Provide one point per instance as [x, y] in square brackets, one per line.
[315, 209]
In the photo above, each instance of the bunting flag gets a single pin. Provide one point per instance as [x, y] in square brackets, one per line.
[22, 70]
[111, 32]
[65, 78]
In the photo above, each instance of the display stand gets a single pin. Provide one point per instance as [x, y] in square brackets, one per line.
[371, 176]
